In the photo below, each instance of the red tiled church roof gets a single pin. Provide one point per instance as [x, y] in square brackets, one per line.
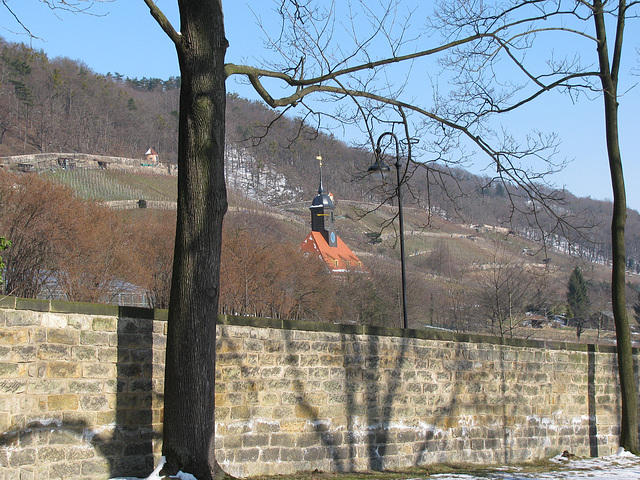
[339, 259]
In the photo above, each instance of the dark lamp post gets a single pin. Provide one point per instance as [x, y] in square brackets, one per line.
[379, 167]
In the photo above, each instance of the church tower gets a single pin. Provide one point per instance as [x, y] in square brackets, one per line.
[322, 208]
[323, 239]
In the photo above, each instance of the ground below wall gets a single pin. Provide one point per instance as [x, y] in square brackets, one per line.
[81, 395]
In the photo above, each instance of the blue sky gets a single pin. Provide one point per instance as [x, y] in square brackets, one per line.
[120, 36]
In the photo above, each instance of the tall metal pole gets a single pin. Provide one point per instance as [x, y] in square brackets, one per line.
[379, 165]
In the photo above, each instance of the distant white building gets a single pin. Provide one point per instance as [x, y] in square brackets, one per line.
[151, 157]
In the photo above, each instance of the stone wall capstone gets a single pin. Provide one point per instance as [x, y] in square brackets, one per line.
[81, 395]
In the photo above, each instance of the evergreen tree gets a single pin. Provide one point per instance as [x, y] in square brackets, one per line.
[4, 244]
[577, 294]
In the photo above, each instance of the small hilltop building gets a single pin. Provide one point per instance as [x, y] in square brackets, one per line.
[323, 239]
[151, 157]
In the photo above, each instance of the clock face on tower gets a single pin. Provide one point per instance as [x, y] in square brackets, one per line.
[332, 239]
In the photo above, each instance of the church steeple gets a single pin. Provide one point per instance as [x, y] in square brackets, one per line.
[323, 240]
[320, 187]
[322, 208]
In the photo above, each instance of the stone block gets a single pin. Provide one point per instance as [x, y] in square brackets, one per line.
[23, 456]
[240, 412]
[51, 454]
[22, 318]
[53, 320]
[84, 353]
[54, 352]
[253, 345]
[222, 414]
[38, 335]
[85, 386]
[107, 417]
[273, 346]
[231, 373]
[8, 370]
[269, 455]
[104, 324]
[247, 455]
[23, 353]
[57, 403]
[12, 386]
[64, 370]
[46, 386]
[107, 354]
[291, 454]
[283, 412]
[64, 470]
[255, 440]
[271, 372]
[231, 442]
[306, 440]
[319, 373]
[98, 370]
[291, 398]
[95, 338]
[94, 403]
[5, 353]
[80, 452]
[65, 336]
[13, 336]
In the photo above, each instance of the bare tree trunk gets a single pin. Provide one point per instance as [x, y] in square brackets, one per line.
[189, 424]
[608, 76]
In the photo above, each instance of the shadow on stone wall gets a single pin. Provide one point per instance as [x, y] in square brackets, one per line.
[371, 396]
[591, 395]
[129, 449]
[447, 405]
[120, 443]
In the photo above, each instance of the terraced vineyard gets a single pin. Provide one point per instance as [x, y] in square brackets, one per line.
[105, 185]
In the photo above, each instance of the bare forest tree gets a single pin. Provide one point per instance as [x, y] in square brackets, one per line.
[155, 253]
[60, 105]
[62, 241]
[507, 288]
[266, 277]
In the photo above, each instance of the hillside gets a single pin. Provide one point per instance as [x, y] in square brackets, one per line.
[453, 269]
[270, 161]
[462, 233]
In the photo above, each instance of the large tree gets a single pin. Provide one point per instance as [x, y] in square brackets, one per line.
[511, 65]
[189, 424]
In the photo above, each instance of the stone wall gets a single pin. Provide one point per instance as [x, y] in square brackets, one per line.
[80, 390]
[81, 395]
[47, 161]
[338, 398]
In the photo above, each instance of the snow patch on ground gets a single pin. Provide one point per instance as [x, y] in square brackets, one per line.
[621, 466]
[155, 475]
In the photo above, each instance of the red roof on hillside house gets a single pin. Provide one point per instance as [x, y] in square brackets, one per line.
[323, 239]
[339, 259]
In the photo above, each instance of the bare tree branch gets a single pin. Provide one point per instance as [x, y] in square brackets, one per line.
[164, 22]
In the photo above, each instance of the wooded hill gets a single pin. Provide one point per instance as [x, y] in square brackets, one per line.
[58, 105]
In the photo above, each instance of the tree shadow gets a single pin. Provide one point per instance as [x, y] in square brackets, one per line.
[370, 379]
[591, 395]
[380, 370]
[89, 435]
[435, 441]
